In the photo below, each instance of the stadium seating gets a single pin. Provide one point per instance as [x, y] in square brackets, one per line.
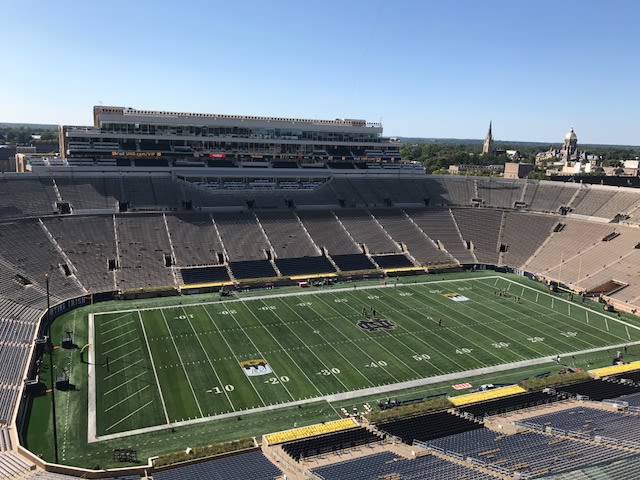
[287, 235]
[194, 239]
[143, 244]
[159, 243]
[365, 232]
[252, 269]
[242, 237]
[327, 232]
[387, 465]
[481, 228]
[89, 242]
[439, 225]
[353, 262]
[400, 227]
[387, 262]
[331, 442]
[598, 389]
[289, 267]
[528, 453]
[427, 427]
[198, 275]
[592, 422]
[243, 466]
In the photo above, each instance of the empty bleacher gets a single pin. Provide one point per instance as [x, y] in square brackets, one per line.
[252, 465]
[523, 233]
[529, 453]
[508, 404]
[427, 427]
[438, 224]
[365, 231]
[327, 232]
[353, 262]
[25, 244]
[199, 275]
[387, 465]
[143, 245]
[249, 269]
[286, 235]
[304, 266]
[400, 227]
[482, 228]
[241, 235]
[89, 242]
[309, 447]
[598, 389]
[499, 192]
[194, 239]
[388, 262]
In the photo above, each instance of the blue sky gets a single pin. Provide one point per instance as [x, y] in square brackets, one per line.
[427, 68]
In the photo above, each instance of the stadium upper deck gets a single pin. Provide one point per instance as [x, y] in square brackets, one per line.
[120, 134]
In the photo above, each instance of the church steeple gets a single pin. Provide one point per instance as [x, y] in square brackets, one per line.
[487, 146]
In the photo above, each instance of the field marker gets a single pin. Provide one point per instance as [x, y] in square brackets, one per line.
[153, 366]
[586, 314]
[627, 329]
[606, 323]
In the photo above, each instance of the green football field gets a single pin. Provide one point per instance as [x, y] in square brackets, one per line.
[158, 368]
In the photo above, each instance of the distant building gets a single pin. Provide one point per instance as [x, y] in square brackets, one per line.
[467, 169]
[517, 170]
[569, 151]
[487, 146]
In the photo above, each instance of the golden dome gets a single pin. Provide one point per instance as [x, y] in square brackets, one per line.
[571, 135]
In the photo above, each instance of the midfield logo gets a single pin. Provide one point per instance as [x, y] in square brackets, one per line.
[377, 324]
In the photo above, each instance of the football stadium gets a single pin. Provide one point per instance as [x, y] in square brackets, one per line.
[238, 297]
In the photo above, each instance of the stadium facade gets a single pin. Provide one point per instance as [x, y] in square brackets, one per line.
[127, 136]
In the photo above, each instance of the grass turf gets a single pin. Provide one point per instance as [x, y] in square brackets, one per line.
[182, 362]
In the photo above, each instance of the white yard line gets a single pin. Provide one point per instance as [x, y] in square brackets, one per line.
[329, 290]
[120, 346]
[293, 362]
[91, 382]
[129, 332]
[126, 354]
[232, 351]
[370, 391]
[226, 394]
[116, 328]
[129, 416]
[232, 315]
[127, 398]
[124, 383]
[153, 366]
[325, 341]
[350, 340]
[129, 365]
[173, 340]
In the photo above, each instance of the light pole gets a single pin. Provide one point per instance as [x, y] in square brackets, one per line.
[53, 384]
